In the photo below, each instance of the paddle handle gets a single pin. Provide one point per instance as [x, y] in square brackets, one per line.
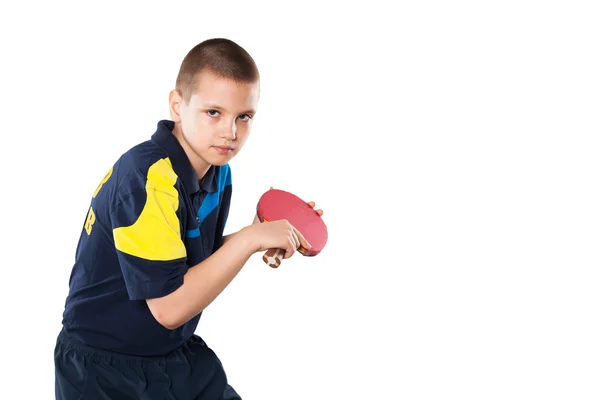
[273, 257]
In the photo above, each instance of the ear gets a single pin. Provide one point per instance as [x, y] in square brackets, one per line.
[175, 101]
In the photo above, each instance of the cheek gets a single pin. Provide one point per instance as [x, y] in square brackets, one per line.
[245, 127]
[201, 132]
[187, 122]
[243, 132]
[204, 126]
[195, 125]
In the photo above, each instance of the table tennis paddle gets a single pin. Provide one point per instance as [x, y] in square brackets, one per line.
[277, 204]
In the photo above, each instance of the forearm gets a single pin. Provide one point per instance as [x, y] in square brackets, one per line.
[203, 283]
[226, 238]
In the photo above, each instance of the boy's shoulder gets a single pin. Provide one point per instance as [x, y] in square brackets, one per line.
[136, 164]
[142, 157]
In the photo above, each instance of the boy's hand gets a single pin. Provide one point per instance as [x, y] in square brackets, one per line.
[275, 235]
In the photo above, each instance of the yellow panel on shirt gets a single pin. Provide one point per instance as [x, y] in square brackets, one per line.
[156, 233]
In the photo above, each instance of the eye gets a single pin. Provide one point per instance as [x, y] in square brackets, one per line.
[212, 113]
[245, 117]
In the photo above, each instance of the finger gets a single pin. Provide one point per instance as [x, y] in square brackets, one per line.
[295, 239]
[303, 242]
[312, 205]
[290, 250]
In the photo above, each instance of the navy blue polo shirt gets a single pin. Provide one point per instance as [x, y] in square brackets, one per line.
[150, 220]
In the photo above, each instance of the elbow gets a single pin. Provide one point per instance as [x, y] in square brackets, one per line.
[164, 315]
[169, 323]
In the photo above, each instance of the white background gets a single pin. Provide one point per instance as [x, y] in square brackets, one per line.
[452, 145]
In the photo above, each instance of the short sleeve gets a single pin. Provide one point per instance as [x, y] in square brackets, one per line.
[147, 234]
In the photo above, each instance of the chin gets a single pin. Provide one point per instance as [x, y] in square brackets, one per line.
[219, 161]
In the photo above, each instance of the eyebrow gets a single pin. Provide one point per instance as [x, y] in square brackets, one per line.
[215, 107]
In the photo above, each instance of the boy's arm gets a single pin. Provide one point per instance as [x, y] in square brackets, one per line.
[212, 277]
[226, 238]
[204, 282]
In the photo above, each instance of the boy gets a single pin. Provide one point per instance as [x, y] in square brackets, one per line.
[152, 255]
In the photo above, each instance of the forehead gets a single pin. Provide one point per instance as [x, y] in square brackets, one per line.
[226, 93]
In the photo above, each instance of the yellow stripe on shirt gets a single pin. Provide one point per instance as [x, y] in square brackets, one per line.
[156, 234]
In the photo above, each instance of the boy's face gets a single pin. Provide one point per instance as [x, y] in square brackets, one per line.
[216, 122]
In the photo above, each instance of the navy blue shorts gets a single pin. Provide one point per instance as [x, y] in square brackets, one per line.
[191, 372]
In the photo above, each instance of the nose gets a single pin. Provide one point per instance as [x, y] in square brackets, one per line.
[229, 130]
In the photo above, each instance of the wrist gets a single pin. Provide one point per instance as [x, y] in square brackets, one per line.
[246, 239]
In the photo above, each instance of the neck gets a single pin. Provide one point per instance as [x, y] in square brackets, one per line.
[200, 166]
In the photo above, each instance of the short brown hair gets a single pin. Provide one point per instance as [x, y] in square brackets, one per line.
[222, 57]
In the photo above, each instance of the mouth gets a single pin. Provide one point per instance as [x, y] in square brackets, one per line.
[223, 149]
